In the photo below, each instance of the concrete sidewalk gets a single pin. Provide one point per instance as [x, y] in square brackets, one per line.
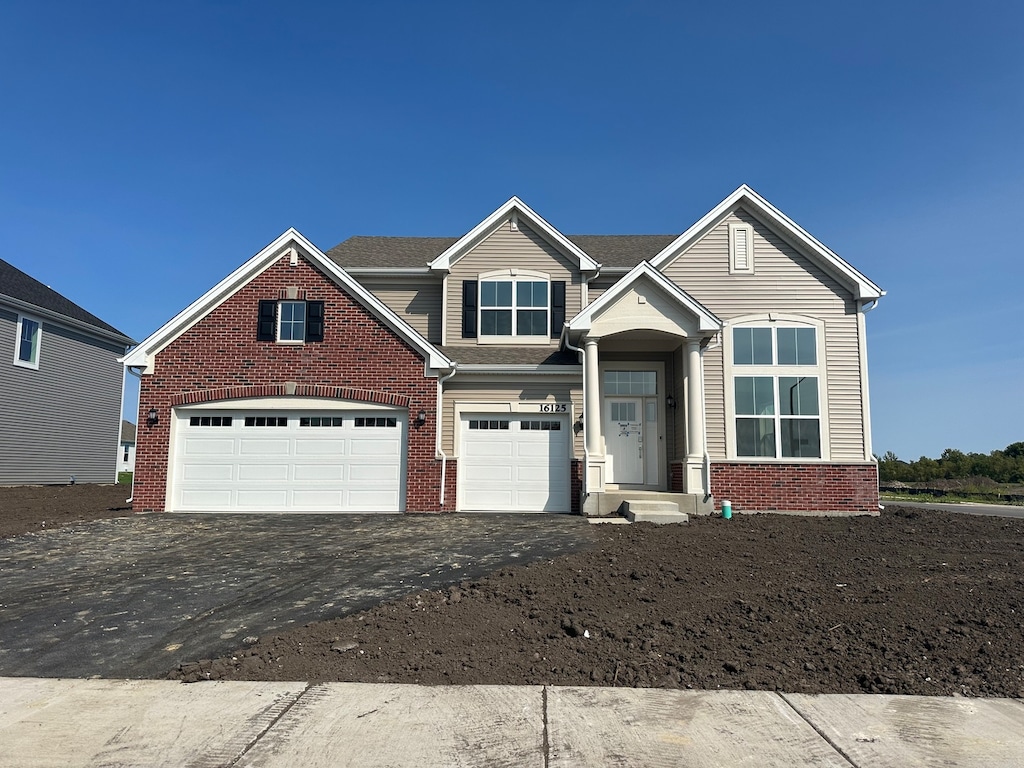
[46, 722]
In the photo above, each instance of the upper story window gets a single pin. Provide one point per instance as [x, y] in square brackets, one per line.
[517, 307]
[513, 306]
[291, 322]
[776, 392]
[26, 350]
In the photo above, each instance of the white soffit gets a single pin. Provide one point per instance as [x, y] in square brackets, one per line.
[142, 355]
[525, 213]
[747, 198]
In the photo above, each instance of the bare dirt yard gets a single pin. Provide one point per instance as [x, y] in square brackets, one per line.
[911, 602]
[34, 508]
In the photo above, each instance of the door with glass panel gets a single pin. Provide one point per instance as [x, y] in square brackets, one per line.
[631, 429]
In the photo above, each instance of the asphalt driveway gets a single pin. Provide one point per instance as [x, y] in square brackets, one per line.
[134, 597]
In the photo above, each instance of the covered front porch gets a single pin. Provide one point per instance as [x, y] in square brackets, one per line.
[642, 345]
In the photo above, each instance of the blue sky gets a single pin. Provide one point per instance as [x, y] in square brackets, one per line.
[149, 149]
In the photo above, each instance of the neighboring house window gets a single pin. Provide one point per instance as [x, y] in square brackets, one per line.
[291, 322]
[777, 401]
[741, 249]
[513, 306]
[26, 352]
[125, 457]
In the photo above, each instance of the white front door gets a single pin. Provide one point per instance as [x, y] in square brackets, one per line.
[624, 440]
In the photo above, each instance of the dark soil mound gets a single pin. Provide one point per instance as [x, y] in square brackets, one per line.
[912, 602]
[31, 508]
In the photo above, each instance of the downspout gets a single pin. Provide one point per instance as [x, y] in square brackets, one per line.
[138, 375]
[586, 456]
[437, 442]
[704, 415]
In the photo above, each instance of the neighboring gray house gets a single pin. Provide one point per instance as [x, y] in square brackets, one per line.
[62, 386]
[126, 450]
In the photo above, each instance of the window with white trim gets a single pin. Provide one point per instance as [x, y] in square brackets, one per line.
[777, 399]
[291, 321]
[26, 348]
[515, 306]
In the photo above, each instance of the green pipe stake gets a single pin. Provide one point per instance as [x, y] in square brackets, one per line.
[726, 509]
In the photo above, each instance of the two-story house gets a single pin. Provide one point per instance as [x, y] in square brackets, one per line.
[62, 384]
[516, 368]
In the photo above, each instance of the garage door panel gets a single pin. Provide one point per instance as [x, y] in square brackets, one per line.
[494, 473]
[263, 472]
[264, 447]
[200, 498]
[219, 464]
[311, 472]
[371, 473]
[374, 447]
[306, 447]
[221, 472]
[487, 499]
[204, 446]
[499, 449]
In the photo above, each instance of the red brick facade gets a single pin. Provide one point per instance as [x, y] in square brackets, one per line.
[360, 358]
[842, 488]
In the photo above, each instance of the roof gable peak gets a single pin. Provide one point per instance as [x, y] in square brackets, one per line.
[516, 206]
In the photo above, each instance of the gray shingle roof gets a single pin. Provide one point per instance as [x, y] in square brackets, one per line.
[502, 355]
[411, 252]
[18, 285]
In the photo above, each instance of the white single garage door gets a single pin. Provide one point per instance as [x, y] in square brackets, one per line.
[512, 462]
[237, 460]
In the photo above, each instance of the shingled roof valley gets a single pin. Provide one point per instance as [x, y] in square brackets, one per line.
[622, 251]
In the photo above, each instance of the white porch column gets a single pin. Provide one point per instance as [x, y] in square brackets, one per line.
[695, 481]
[592, 419]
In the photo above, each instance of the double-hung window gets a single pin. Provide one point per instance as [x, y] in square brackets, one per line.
[776, 392]
[26, 350]
[290, 322]
[514, 307]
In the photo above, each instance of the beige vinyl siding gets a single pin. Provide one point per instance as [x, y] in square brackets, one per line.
[63, 418]
[537, 389]
[784, 281]
[502, 249]
[599, 285]
[418, 303]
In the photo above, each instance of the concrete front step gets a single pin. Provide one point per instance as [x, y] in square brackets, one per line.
[611, 503]
[660, 512]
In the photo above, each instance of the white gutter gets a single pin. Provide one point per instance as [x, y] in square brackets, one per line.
[437, 431]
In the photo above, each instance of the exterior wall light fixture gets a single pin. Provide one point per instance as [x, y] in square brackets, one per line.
[670, 401]
[421, 418]
[152, 417]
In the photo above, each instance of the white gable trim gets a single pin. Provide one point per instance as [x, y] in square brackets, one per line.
[142, 355]
[745, 197]
[515, 210]
[706, 320]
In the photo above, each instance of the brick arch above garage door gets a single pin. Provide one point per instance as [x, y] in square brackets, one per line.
[283, 390]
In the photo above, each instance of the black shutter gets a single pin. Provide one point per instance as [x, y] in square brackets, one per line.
[314, 321]
[469, 309]
[265, 330]
[557, 307]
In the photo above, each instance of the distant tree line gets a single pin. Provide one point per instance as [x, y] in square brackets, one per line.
[1005, 466]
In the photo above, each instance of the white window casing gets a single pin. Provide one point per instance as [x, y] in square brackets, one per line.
[28, 339]
[512, 303]
[761, 370]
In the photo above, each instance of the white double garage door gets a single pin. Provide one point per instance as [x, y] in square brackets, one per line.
[252, 459]
[316, 459]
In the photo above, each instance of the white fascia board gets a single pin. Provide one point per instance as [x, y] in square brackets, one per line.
[707, 320]
[389, 272]
[24, 307]
[529, 370]
[744, 196]
[142, 355]
[536, 222]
